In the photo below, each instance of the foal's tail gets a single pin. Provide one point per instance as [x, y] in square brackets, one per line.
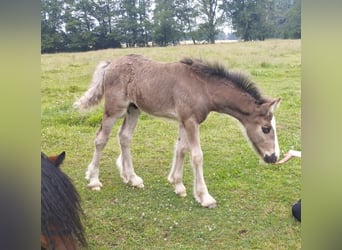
[94, 93]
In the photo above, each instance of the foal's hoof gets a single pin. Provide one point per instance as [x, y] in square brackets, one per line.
[182, 194]
[95, 188]
[209, 205]
[207, 201]
[137, 182]
[180, 190]
[140, 185]
[95, 185]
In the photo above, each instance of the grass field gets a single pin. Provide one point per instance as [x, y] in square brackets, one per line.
[254, 200]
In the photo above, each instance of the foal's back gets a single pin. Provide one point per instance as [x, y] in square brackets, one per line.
[168, 90]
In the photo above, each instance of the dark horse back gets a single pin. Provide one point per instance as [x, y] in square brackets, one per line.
[60, 206]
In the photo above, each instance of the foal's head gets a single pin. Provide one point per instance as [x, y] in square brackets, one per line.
[261, 130]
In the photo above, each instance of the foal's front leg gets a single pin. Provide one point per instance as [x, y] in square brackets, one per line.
[200, 189]
[124, 161]
[101, 140]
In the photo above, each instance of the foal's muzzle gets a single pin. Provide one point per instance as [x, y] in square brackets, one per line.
[270, 158]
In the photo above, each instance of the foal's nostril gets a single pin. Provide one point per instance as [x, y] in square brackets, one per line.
[270, 158]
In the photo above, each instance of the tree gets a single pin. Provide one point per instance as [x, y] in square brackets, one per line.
[292, 24]
[128, 24]
[78, 26]
[280, 9]
[251, 19]
[145, 24]
[187, 15]
[52, 38]
[261, 19]
[134, 24]
[165, 27]
[212, 15]
[105, 15]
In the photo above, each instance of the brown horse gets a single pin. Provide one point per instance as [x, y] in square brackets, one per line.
[185, 91]
[61, 227]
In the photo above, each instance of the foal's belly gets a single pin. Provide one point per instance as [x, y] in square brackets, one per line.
[163, 113]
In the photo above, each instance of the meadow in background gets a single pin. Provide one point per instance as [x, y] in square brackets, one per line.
[253, 200]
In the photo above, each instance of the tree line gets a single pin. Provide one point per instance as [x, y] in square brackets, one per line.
[82, 25]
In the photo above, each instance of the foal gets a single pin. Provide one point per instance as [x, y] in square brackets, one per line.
[185, 91]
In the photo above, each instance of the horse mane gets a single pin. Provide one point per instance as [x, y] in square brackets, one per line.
[239, 79]
[60, 204]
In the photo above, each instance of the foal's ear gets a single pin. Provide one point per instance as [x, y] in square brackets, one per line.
[58, 160]
[270, 106]
[274, 105]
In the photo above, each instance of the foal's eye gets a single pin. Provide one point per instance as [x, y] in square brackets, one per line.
[266, 130]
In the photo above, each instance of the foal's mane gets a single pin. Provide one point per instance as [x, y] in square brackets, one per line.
[239, 79]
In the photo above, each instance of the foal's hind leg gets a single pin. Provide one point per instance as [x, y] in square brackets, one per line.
[102, 137]
[176, 174]
[124, 161]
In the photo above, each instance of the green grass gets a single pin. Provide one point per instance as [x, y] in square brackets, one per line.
[254, 200]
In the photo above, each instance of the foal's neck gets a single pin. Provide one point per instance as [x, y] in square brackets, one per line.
[232, 101]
